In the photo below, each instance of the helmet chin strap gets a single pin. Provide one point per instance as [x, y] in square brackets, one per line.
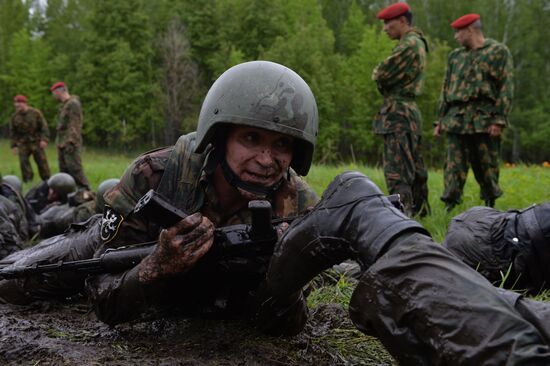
[236, 182]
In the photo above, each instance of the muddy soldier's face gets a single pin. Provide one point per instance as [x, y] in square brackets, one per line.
[258, 156]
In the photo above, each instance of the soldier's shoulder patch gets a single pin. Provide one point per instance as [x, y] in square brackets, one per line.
[110, 224]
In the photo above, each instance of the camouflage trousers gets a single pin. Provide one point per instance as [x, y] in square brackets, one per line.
[405, 172]
[39, 155]
[70, 163]
[482, 153]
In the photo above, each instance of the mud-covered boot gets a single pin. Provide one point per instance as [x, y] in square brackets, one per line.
[353, 220]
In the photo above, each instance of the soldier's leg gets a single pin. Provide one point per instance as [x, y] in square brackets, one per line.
[425, 305]
[61, 160]
[71, 246]
[24, 163]
[41, 162]
[73, 165]
[420, 184]
[456, 170]
[429, 308]
[484, 161]
[399, 167]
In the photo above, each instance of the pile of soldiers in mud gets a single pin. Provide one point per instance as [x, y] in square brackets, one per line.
[428, 303]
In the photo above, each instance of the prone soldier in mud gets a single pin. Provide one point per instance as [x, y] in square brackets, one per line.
[29, 136]
[424, 304]
[400, 80]
[52, 192]
[17, 220]
[476, 99]
[514, 244]
[79, 206]
[256, 132]
[69, 134]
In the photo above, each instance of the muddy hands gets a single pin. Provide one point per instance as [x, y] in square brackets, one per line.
[179, 248]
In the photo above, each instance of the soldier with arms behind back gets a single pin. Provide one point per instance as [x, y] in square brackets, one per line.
[400, 79]
[475, 102]
[69, 134]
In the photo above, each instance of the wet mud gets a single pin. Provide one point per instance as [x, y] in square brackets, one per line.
[69, 334]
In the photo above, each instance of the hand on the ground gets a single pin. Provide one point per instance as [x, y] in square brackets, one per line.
[495, 130]
[14, 150]
[179, 248]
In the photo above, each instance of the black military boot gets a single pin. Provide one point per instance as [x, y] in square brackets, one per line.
[353, 220]
[490, 202]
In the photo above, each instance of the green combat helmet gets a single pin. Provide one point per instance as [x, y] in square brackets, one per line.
[103, 187]
[266, 95]
[14, 182]
[62, 184]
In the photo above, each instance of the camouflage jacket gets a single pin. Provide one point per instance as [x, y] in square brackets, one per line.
[69, 123]
[28, 127]
[400, 79]
[118, 298]
[478, 89]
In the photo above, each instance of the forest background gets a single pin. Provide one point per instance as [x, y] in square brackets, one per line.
[142, 68]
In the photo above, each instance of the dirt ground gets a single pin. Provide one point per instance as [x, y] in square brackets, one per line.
[69, 334]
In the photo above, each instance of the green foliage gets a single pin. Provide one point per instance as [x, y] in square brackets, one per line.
[29, 70]
[115, 74]
[109, 53]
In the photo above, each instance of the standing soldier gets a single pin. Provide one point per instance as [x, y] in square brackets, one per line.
[69, 134]
[475, 101]
[399, 79]
[29, 136]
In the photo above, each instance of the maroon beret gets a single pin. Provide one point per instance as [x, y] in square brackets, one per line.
[59, 84]
[465, 21]
[393, 11]
[20, 99]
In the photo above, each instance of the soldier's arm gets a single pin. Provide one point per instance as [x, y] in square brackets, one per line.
[443, 104]
[398, 67]
[121, 297]
[503, 74]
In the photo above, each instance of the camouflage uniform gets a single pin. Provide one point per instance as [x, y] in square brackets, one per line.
[477, 92]
[17, 220]
[69, 140]
[399, 79]
[27, 129]
[120, 297]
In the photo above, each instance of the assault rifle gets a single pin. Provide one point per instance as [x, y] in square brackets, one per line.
[230, 242]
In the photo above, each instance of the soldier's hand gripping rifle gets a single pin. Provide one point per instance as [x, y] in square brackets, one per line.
[231, 245]
[235, 241]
